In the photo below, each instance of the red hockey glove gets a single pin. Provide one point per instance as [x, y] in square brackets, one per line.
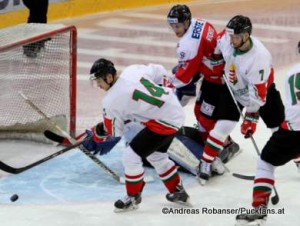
[167, 82]
[248, 126]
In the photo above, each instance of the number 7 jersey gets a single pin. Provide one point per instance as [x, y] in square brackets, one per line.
[292, 99]
[135, 96]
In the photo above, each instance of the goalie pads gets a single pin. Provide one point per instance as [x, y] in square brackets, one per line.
[185, 153]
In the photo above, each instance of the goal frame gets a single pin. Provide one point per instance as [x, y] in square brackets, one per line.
[73, 64]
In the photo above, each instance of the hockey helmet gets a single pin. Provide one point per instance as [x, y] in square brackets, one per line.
[101, 68]
[179, 14]
[239, 24]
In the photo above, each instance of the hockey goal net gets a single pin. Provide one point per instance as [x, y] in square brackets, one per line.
[39, 61]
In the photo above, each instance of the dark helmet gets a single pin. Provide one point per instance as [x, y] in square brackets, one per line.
[240, 24]
[101, 68]
[179, 14]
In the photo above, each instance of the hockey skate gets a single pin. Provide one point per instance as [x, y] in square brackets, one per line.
[298, 166]
[218, 167]
[31, 50]
[257, 218]
[179, 196]
[297, 162]
[230, 150]
[206, 170]
[128, 203]
[203, 172]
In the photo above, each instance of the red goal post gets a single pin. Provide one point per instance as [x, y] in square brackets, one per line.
[38, 60]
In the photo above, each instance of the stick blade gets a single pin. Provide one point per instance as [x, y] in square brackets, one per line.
[7, 168]
[244, 177]
[53, 136]
[275, 200]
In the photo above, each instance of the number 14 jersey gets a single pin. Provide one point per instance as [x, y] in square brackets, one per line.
[135, 96]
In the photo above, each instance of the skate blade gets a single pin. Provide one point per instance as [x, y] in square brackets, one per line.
[202, 181]
[129, 209]
[181, 203]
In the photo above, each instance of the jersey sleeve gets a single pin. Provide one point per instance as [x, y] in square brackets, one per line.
[113, 120]
[220, 39]
[156, 73]
[258, 85]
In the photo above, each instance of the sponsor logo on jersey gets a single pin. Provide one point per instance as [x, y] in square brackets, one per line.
[207, 108]
[210, 34]
[241, 92]
[197, 29]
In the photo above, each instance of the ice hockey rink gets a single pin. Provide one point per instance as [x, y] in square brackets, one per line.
[70, 190]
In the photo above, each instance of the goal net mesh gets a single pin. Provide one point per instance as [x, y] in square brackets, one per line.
[38, 61]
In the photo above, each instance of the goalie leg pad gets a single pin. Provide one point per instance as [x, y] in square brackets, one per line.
[186, 153]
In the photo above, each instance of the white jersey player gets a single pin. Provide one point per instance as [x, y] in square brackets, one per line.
[248, 69]
[249, 73]
[282, 147]
[134, 96]
[292, 95]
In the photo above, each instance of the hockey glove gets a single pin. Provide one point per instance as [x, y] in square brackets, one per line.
[175, 69]
[94, 137]
[248, 126]
[98, 142]
[185, 93]
[167, 82]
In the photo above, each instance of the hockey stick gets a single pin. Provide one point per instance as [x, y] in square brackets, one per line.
[244, 177]
[59, 139]
[13, 170]
[106, 169]
[275, 198]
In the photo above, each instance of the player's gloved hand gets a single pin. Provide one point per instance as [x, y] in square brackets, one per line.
[93, 139]
[98, 142]
[174, 69]
[248, 126]
[167, 82]
[185, 93]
